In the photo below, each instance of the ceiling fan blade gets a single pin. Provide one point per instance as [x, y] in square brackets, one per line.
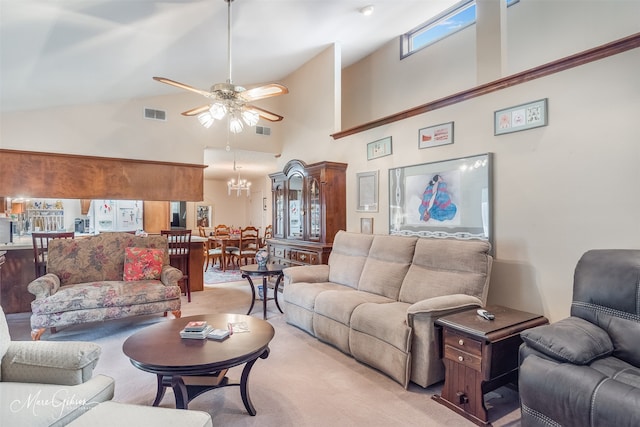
[261, 92]
[183, 86]
[197, 110]
[267, 115]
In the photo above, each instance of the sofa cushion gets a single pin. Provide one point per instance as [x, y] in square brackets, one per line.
[142, 264]
[105, 294]
[95, 258]
[572, 340]
[387, 264]
[445, 267]
[387, 322]
[338, 304]
[304, 294]
[348, 256]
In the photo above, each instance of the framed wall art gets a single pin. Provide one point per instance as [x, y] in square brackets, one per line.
[450, 198]
[204, 214]
[366, 225]
[521, 117]
[379, 148]
[434, 136]
[367, 185]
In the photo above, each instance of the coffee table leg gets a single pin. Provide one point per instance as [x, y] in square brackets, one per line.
[253, 292]
[180, 392]
[160, 391]
[275, 291]
[264, 297]
[244, 379]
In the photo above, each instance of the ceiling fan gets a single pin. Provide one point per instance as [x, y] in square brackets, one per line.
[229, 99]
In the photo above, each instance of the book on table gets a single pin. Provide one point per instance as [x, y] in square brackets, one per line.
[196, 326]
[195, 334]
[218, 334]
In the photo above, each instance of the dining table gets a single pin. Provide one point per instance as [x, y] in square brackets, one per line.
[224, 241]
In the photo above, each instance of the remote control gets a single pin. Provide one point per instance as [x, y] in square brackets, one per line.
[485, 314]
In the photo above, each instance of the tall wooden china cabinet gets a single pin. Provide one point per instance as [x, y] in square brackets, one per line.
[309, 208]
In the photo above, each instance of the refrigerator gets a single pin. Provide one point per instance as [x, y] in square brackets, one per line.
[115, 215]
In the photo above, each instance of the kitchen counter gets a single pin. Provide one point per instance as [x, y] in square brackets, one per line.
[26, 242]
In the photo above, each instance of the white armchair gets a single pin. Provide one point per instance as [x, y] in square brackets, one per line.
[48, 383]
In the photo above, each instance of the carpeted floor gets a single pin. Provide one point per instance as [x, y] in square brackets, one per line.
[303, 382]
[214, 275]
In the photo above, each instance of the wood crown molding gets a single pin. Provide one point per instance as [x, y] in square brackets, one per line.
[584, 57]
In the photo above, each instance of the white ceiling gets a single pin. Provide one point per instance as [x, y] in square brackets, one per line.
[73, 52]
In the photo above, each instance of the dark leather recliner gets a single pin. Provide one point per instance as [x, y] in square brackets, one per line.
[585, 370]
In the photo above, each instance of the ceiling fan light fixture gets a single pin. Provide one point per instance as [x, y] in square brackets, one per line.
[218, 110]
[250, 117]
[235, 124]
[206, 119]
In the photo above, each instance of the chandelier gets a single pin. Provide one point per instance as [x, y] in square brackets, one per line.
[241, 184]
[238, 186]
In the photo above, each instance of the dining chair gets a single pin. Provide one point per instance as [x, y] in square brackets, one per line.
[179, 244]
[222, 230]
[40, 247]
[248, 245]
[268, 234]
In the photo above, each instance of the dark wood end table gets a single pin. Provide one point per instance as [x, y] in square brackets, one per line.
[193, 366]
[479, 356]
[263, 271]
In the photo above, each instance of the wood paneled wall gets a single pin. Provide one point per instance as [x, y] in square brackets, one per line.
[66, 176]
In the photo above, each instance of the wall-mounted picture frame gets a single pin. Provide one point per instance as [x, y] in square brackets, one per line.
[445, 199]
[521, 117]
[367, 185]
[434, 136]
[204, 216]
[366, 225]
[379, 148]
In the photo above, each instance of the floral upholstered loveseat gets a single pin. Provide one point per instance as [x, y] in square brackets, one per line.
[103, 277]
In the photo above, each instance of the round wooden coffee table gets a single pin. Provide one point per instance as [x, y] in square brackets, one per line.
[192, 366]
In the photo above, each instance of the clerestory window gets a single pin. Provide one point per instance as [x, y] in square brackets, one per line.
[452, 20]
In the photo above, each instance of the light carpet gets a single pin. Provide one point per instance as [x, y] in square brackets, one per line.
[214, 275]
[303, 382]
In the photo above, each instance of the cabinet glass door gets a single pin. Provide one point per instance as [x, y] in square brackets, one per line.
[314, 209]
[296, 207]
[278, 210]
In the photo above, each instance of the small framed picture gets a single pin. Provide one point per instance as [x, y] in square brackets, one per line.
[366, 225]
[379, 148]
[367, 191]
[434, 136]
[521, 117]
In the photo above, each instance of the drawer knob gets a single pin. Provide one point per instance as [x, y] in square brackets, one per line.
[303, 257]
[461, 342]
[460, 359]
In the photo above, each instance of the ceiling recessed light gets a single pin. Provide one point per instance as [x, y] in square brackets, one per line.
[367, 10]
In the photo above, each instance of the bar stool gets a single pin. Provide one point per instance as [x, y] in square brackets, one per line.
[40, 247]
[179, 243]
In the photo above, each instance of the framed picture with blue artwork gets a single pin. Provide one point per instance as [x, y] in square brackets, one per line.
[446, 199]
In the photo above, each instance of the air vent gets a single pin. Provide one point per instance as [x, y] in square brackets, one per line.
[152, 114]
[263, 130]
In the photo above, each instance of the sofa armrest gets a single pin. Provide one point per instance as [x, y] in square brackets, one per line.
[306, 273]
[64, 363]
[170, 275]
[44, 286]
[441, 306]
[572, 340]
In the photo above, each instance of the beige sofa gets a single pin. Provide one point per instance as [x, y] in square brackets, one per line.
[48, 383]
[379, 296]
[84, 282]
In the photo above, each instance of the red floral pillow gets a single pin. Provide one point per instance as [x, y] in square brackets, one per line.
[142, 264]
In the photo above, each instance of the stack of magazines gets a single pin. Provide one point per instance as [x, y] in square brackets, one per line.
[200, 330]
[196, 330]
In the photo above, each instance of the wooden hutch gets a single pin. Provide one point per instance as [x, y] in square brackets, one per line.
[309, 208]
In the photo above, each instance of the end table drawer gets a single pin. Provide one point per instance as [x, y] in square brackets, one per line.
[467, 359]
[463, 343]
